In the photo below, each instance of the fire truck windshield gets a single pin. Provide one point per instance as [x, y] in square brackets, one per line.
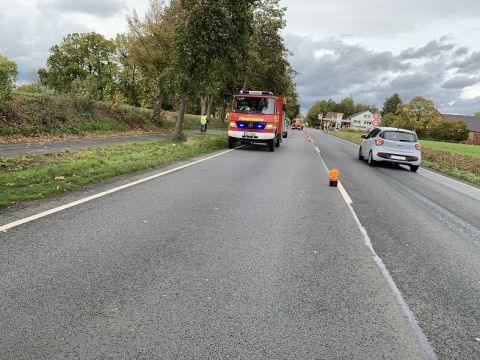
[254, 105]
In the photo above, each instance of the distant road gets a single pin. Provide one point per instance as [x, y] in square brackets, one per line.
[37, 148]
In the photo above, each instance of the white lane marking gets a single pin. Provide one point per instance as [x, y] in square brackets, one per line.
[11, 225]
[317, 149]
[425, 344]
[344, 193]
[427, 347]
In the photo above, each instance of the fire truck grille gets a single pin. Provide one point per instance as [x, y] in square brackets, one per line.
[251, 125]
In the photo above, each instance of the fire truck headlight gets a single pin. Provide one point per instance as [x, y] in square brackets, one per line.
[232, 124]
[270, 126]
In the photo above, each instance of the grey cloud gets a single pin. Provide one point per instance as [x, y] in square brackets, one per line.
[461, 51]
[341, 69]
[460, 82]
[376, 18]
[469, 64]
[432, 49]
[101, 8]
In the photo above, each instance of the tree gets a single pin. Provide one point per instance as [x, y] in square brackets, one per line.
[421, 114]
[84, 59]
[8, 74]
[209, 44]
[449, 130]
[391, 105]
[152, 45]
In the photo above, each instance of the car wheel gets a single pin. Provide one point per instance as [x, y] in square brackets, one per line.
[414, 168]
[360, 156]
[371, 162]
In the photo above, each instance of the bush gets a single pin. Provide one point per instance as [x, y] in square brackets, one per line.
[449, 130]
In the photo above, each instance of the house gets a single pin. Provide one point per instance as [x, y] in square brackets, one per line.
[362, 120]
[333, 120]
[473, 125]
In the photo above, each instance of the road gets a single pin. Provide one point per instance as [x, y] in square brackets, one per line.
[249, 255]
[38, 148]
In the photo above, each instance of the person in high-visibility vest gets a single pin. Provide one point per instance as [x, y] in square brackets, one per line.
[203, 124]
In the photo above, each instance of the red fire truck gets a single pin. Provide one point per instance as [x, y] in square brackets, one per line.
[257, 117]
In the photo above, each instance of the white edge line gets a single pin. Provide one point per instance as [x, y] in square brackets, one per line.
[424, 343]
[344, 193]
[427, 347]
[11, 225]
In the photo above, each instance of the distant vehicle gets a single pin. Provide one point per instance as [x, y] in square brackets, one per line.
[257, 117]
[398, 146]
[297, 124]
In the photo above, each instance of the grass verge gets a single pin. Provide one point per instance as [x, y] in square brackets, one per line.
[457, 160]
[36, 177]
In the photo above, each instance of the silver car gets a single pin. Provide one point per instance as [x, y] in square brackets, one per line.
[392, 145]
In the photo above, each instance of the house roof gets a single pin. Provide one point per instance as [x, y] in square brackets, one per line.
[473, 122]
[332, 115]
[359, 113]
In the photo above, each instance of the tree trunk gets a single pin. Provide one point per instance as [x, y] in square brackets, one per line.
[244, 87]
[203, 103]
[179, 136]
[210, 106]
[223, 112]
[157, 108]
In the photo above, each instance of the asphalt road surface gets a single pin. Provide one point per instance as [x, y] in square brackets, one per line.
[249, 255]
[38, 148]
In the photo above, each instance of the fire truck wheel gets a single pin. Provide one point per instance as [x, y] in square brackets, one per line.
[277, 142]
[271, 145]
[231, 142]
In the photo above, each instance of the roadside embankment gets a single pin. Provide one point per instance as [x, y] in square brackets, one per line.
[36, 177]
[458, 160]
[46, 117]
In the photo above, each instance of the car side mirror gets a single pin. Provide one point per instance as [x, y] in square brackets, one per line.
[364, 136]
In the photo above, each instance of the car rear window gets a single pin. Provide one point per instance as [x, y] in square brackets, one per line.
[399, 136]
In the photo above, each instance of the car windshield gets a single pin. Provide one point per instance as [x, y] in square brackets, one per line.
[399, 136]
[254, 105]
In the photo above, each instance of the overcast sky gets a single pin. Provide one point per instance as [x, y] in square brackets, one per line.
[368, 49]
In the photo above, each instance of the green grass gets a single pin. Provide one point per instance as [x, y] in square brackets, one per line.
[464, 149]
[454, 172]
[352, 136]
[35, 177]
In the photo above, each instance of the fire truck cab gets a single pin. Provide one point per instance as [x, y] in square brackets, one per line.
[257, 117]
